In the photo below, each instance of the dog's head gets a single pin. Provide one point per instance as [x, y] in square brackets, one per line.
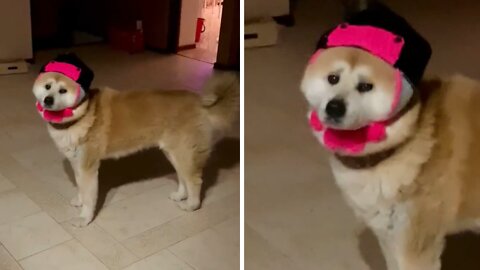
[55, 91]
[350, 88]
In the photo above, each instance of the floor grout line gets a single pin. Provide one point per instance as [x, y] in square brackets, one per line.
[11, 255]
[29, 215]
[89, 251]
[52, 247]
[176, 256]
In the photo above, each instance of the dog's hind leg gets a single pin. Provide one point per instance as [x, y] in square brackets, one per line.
[193, 183]
[88, 192]
[189, 163]
[181, 193]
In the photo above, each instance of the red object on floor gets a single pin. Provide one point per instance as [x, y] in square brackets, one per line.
[200, 28]
[123, 38]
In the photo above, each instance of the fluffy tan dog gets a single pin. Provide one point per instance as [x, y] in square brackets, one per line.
[423, 181]
[111, 124]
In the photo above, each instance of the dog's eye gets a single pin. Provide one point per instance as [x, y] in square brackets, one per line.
[62, 91]
[48, 86]
[364, 87]
[333, 79]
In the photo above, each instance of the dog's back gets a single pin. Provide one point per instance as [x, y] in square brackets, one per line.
[128, 121]
[458, 148]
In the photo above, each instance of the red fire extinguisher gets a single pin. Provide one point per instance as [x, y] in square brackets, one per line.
[200, 28]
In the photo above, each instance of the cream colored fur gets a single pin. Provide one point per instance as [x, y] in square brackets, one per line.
[112, 124]
[430, 187]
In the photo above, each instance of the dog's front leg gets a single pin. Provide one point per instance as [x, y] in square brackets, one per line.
[416, 249]
[426, 260]
[387, 245]
[77, 199]
[88, 192]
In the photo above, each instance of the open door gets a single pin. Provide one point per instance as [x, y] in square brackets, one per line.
[210, 32]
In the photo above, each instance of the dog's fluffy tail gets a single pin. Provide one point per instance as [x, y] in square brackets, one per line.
[221, 97]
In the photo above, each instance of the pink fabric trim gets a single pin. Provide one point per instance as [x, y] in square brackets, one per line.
[349, 141]
[398, 91]
[77, 93]
[314, 57]
[379, 42]
[66, 69]
[39, 76]
[54, 116]
[315, 122]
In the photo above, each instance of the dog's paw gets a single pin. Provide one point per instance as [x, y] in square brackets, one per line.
[80, 222]
[189, 205]
[76, 201]
[177, 196]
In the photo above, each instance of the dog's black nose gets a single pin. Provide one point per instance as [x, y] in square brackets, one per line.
[48, 101]
[336, 108]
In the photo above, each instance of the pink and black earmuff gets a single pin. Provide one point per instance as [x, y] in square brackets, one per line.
[386, 35]
[72, 67]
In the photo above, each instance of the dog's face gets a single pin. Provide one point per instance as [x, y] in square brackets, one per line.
[55, 91]
[349, 88]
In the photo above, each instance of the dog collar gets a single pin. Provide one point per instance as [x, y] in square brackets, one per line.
[348, 141]
[58, 116]
[54, 116]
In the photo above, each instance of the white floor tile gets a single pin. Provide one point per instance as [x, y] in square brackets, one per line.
[204, 250]
[183, 227]
[260, 255]
[102, 245]
[229, 229]
[14, 205]
[56, 179]
[163, 260]
[5, 184]
[32, 234]
[137, 214]
[39, 157]
[7, 262]
[67, 256]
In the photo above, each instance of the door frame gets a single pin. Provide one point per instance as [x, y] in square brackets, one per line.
[174, 22]
[228, 53]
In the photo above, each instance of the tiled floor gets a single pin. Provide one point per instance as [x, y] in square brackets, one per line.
[206, 49]
[138, 228]
[295, 215]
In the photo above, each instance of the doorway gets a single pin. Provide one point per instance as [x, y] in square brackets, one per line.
[203, 29]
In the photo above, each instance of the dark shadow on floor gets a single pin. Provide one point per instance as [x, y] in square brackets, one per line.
[226, 154]
[462, 252]
[371, 251]
[152, 163]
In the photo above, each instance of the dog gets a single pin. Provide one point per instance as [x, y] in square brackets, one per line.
[107, 123]
[422, 182]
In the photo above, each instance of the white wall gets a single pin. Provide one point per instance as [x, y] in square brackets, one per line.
[15, 30]
[265, 8]
[188, 21]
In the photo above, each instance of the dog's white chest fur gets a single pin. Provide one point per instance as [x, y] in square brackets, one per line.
[68, 142]
[374, 194]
